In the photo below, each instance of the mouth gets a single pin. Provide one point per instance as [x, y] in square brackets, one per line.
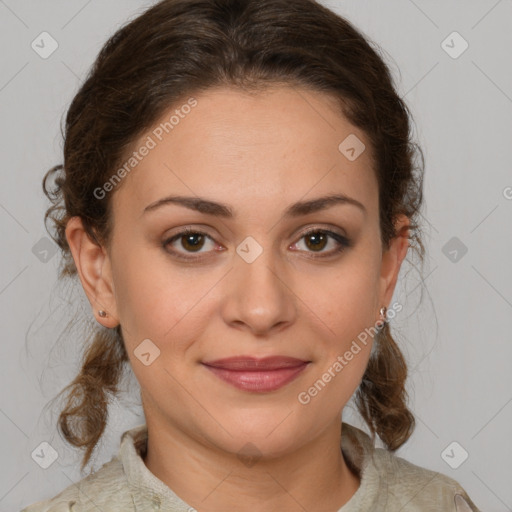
[258, 375]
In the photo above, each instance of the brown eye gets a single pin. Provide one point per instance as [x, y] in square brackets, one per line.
[191, 241]
[316, 240]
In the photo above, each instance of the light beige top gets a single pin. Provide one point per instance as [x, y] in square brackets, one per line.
[388, 483]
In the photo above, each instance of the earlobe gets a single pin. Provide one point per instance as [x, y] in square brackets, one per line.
[93, 266]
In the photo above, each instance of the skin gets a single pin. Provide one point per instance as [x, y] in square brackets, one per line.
[258, 154]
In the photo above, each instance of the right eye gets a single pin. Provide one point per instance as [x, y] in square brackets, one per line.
[191, 240]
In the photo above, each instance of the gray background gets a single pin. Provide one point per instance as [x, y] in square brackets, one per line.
[455, 330]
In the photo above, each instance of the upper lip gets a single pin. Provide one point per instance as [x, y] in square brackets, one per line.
[254, 363]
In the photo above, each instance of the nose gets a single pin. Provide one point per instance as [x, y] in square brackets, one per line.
[260, 296]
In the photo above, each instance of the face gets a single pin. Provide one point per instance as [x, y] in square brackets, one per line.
[262, 279]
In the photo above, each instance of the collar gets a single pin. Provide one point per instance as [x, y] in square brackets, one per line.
[151, 494]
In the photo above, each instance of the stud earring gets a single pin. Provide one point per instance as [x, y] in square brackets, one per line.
[383, 311]
[102, 313]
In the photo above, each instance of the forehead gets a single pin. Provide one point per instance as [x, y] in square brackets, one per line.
[265, 149]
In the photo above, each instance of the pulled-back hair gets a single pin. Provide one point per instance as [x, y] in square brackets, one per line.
[178, 48]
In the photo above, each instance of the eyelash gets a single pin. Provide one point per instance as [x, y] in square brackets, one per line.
[343, 242]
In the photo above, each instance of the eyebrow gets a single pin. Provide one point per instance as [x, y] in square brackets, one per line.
[203, 205]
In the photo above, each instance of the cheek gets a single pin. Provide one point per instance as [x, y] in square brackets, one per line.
[158, 302]
[349, 312]
[346, 298]
[142, 294]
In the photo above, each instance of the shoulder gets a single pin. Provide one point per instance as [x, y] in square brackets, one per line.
[92, 493]
[414, 488]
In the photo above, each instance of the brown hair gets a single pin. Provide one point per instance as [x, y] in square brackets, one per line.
[181, 47]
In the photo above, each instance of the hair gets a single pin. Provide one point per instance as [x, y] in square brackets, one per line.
[181, 47]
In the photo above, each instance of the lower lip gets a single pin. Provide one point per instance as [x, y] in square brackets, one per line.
[260, 381]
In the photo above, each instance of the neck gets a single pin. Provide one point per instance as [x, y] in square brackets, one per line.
[312, 477]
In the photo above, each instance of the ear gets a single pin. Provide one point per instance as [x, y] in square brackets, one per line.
[392, 260]
[94, 269]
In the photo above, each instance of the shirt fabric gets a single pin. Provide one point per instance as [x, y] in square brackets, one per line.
[387, 483]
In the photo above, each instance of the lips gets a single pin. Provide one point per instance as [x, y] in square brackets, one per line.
[257, 375]
[248, 363]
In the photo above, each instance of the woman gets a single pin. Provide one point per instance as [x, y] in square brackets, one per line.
[238, 193]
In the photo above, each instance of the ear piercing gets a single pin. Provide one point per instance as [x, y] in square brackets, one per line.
[383, 311]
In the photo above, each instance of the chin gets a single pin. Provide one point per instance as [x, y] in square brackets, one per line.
[269, 437]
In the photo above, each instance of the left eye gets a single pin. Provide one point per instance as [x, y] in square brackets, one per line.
[316, 240]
